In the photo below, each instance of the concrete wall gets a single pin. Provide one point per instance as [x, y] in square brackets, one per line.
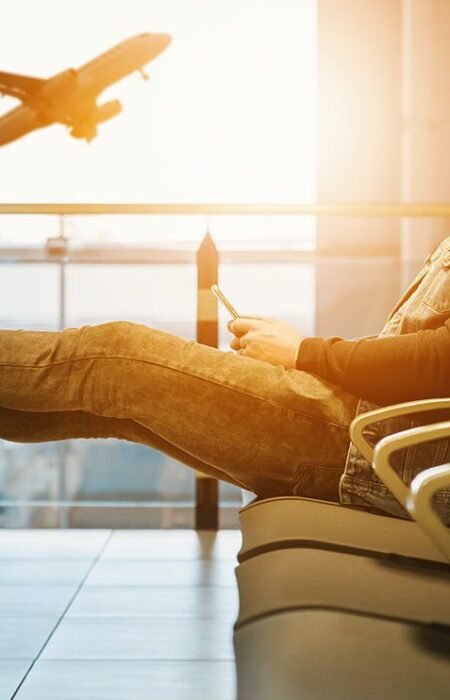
[359, 160]
[426, 119]
[359, 107]
[384, 135]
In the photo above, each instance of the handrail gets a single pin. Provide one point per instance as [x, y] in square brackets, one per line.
[351, 209]
[126, 254]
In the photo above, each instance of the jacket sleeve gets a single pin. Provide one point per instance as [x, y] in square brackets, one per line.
[383, 370]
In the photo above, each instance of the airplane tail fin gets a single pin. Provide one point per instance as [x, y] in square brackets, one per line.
[19, 86]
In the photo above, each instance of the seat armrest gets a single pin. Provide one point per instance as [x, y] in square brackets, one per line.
[399, 441]
[417, 498]
[360, 423]
[420, 504]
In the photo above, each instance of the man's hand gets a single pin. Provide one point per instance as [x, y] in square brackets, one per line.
[265, 339]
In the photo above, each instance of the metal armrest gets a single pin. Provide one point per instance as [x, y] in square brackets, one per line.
[361, 422]
[417, 498]
[420, 504]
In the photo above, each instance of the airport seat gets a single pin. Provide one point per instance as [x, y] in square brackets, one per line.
[285, 522]
[326, 654]
[292, 521]
[299, 578]
[338, 603]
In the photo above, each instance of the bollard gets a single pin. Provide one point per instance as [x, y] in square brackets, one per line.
[207, 492]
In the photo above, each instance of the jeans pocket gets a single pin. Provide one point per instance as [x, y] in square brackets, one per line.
[314, 481]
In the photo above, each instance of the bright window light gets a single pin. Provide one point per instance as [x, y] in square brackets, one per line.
[229, 114]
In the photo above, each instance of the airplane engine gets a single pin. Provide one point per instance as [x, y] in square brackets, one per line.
[84, 130]
[106, 111]
[87, 128]
[61, 85]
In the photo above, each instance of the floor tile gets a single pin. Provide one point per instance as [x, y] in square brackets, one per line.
[162, 573]
[11, 673]
[45, 572]
[193, 602]
[173, 544]
[130, 680]
[21, 638]
[136, 639]
[52, 544]
[34, 601]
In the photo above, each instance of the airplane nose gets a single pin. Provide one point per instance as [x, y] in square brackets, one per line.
[154, 44]
[165, 40]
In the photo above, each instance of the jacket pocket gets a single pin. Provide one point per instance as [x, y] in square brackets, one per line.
[429, 307]
[411, 289]
[438, 295]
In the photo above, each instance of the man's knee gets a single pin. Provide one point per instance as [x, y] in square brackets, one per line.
[112, 338]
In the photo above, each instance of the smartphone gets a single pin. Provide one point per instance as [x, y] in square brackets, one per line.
[223, 300]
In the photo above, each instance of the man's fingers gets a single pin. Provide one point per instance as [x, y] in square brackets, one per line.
[248, 318]
[241, 341]
[241, 325]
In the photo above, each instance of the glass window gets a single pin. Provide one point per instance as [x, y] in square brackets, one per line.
[229, 114]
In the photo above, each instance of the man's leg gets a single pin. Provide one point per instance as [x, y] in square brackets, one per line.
[27, 426]
[272, 430]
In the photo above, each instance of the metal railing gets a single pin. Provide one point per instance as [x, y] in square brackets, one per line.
[350, 209]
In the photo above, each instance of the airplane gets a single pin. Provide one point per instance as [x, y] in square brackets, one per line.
[70, 97]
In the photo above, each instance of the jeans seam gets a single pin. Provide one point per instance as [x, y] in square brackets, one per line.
[175, 369]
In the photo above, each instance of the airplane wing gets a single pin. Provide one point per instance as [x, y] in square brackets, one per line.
[19, 86]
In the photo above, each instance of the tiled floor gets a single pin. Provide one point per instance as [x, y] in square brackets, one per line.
[120, 615]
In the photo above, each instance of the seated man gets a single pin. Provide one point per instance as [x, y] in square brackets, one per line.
[272, 418]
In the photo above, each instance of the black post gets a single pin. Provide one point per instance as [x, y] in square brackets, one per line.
[207, 500]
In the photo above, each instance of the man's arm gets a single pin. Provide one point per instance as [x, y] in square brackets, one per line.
[383, 370]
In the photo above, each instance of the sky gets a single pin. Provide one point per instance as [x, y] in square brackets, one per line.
[229, 113]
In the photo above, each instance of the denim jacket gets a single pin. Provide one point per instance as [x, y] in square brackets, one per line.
[425, 305]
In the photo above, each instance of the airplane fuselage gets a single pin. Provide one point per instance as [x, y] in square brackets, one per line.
[70, 97]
